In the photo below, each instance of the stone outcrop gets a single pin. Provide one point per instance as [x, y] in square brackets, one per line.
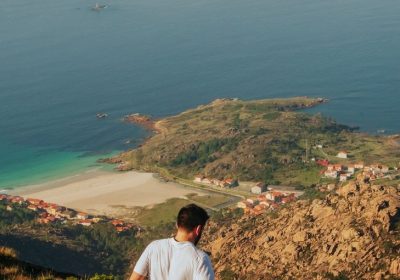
[351, 233]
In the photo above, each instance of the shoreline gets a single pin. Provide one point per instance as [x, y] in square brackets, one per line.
[58, 182]
[100, 192]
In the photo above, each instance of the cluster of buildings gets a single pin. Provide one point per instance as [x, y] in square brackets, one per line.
[223, 183]
[344, 172]
[341, 172]
[121, 226]
[52, 213]
[375, 171]
[270, 200]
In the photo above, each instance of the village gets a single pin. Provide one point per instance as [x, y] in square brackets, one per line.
[345, 172]
[50, 213]
[261, 197]
[264, 198]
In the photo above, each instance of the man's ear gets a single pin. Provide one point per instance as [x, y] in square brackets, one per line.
[198, 229]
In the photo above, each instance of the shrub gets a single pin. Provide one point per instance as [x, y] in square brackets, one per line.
[228, 274]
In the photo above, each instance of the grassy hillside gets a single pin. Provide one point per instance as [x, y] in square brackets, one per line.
[269, 140]
[12, 268]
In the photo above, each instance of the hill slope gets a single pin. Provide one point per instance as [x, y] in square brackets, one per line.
[351, 234]
[12, 268]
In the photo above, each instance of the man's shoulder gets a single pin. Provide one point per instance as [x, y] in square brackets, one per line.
[203, 255]
[203, 268]
[200, 255]
[188, 249]
[160, 243]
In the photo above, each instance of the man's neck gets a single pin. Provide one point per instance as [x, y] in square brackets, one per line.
[182, 236]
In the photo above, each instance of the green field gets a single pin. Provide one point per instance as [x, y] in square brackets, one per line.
[166, 212]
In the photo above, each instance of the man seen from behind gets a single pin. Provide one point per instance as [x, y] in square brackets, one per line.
[177, 258]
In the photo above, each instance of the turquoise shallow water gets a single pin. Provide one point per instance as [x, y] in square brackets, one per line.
[40, 165]
[61, 63]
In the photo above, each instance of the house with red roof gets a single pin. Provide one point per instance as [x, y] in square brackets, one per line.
[16, 199]
[32, 207]
[231, 182]
[323, 162]
[289, 198]
[34, 201]
[117, 222]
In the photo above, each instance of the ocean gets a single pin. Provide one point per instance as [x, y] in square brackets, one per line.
[61, 63]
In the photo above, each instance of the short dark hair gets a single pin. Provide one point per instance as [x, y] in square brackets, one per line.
[190, 216]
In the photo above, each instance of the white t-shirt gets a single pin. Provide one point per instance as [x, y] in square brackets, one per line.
[168, 259]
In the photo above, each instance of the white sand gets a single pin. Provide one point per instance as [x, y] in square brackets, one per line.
[101, 192]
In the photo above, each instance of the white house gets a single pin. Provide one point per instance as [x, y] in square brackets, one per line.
[351, 169]
[274, 196]
[259, 188]
[359, 165]
[384, 169]
[216, 182]
[206, 181]
[85, 223]
[249, 200]
[331, 174]
[342, 154]
[256, 190]
[82, 216]
[244, 204]
[198, 178]
[343, 178]
[330, 187]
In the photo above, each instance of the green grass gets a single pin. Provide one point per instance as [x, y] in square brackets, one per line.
[211, 200]
[161, 213]
[166, 212]
[302, 176]
[271, 116]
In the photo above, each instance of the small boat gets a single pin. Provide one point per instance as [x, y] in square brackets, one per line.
[381, 131]
[98, 7]
[101, 115]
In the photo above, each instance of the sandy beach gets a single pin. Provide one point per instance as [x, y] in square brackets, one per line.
[106, 193]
